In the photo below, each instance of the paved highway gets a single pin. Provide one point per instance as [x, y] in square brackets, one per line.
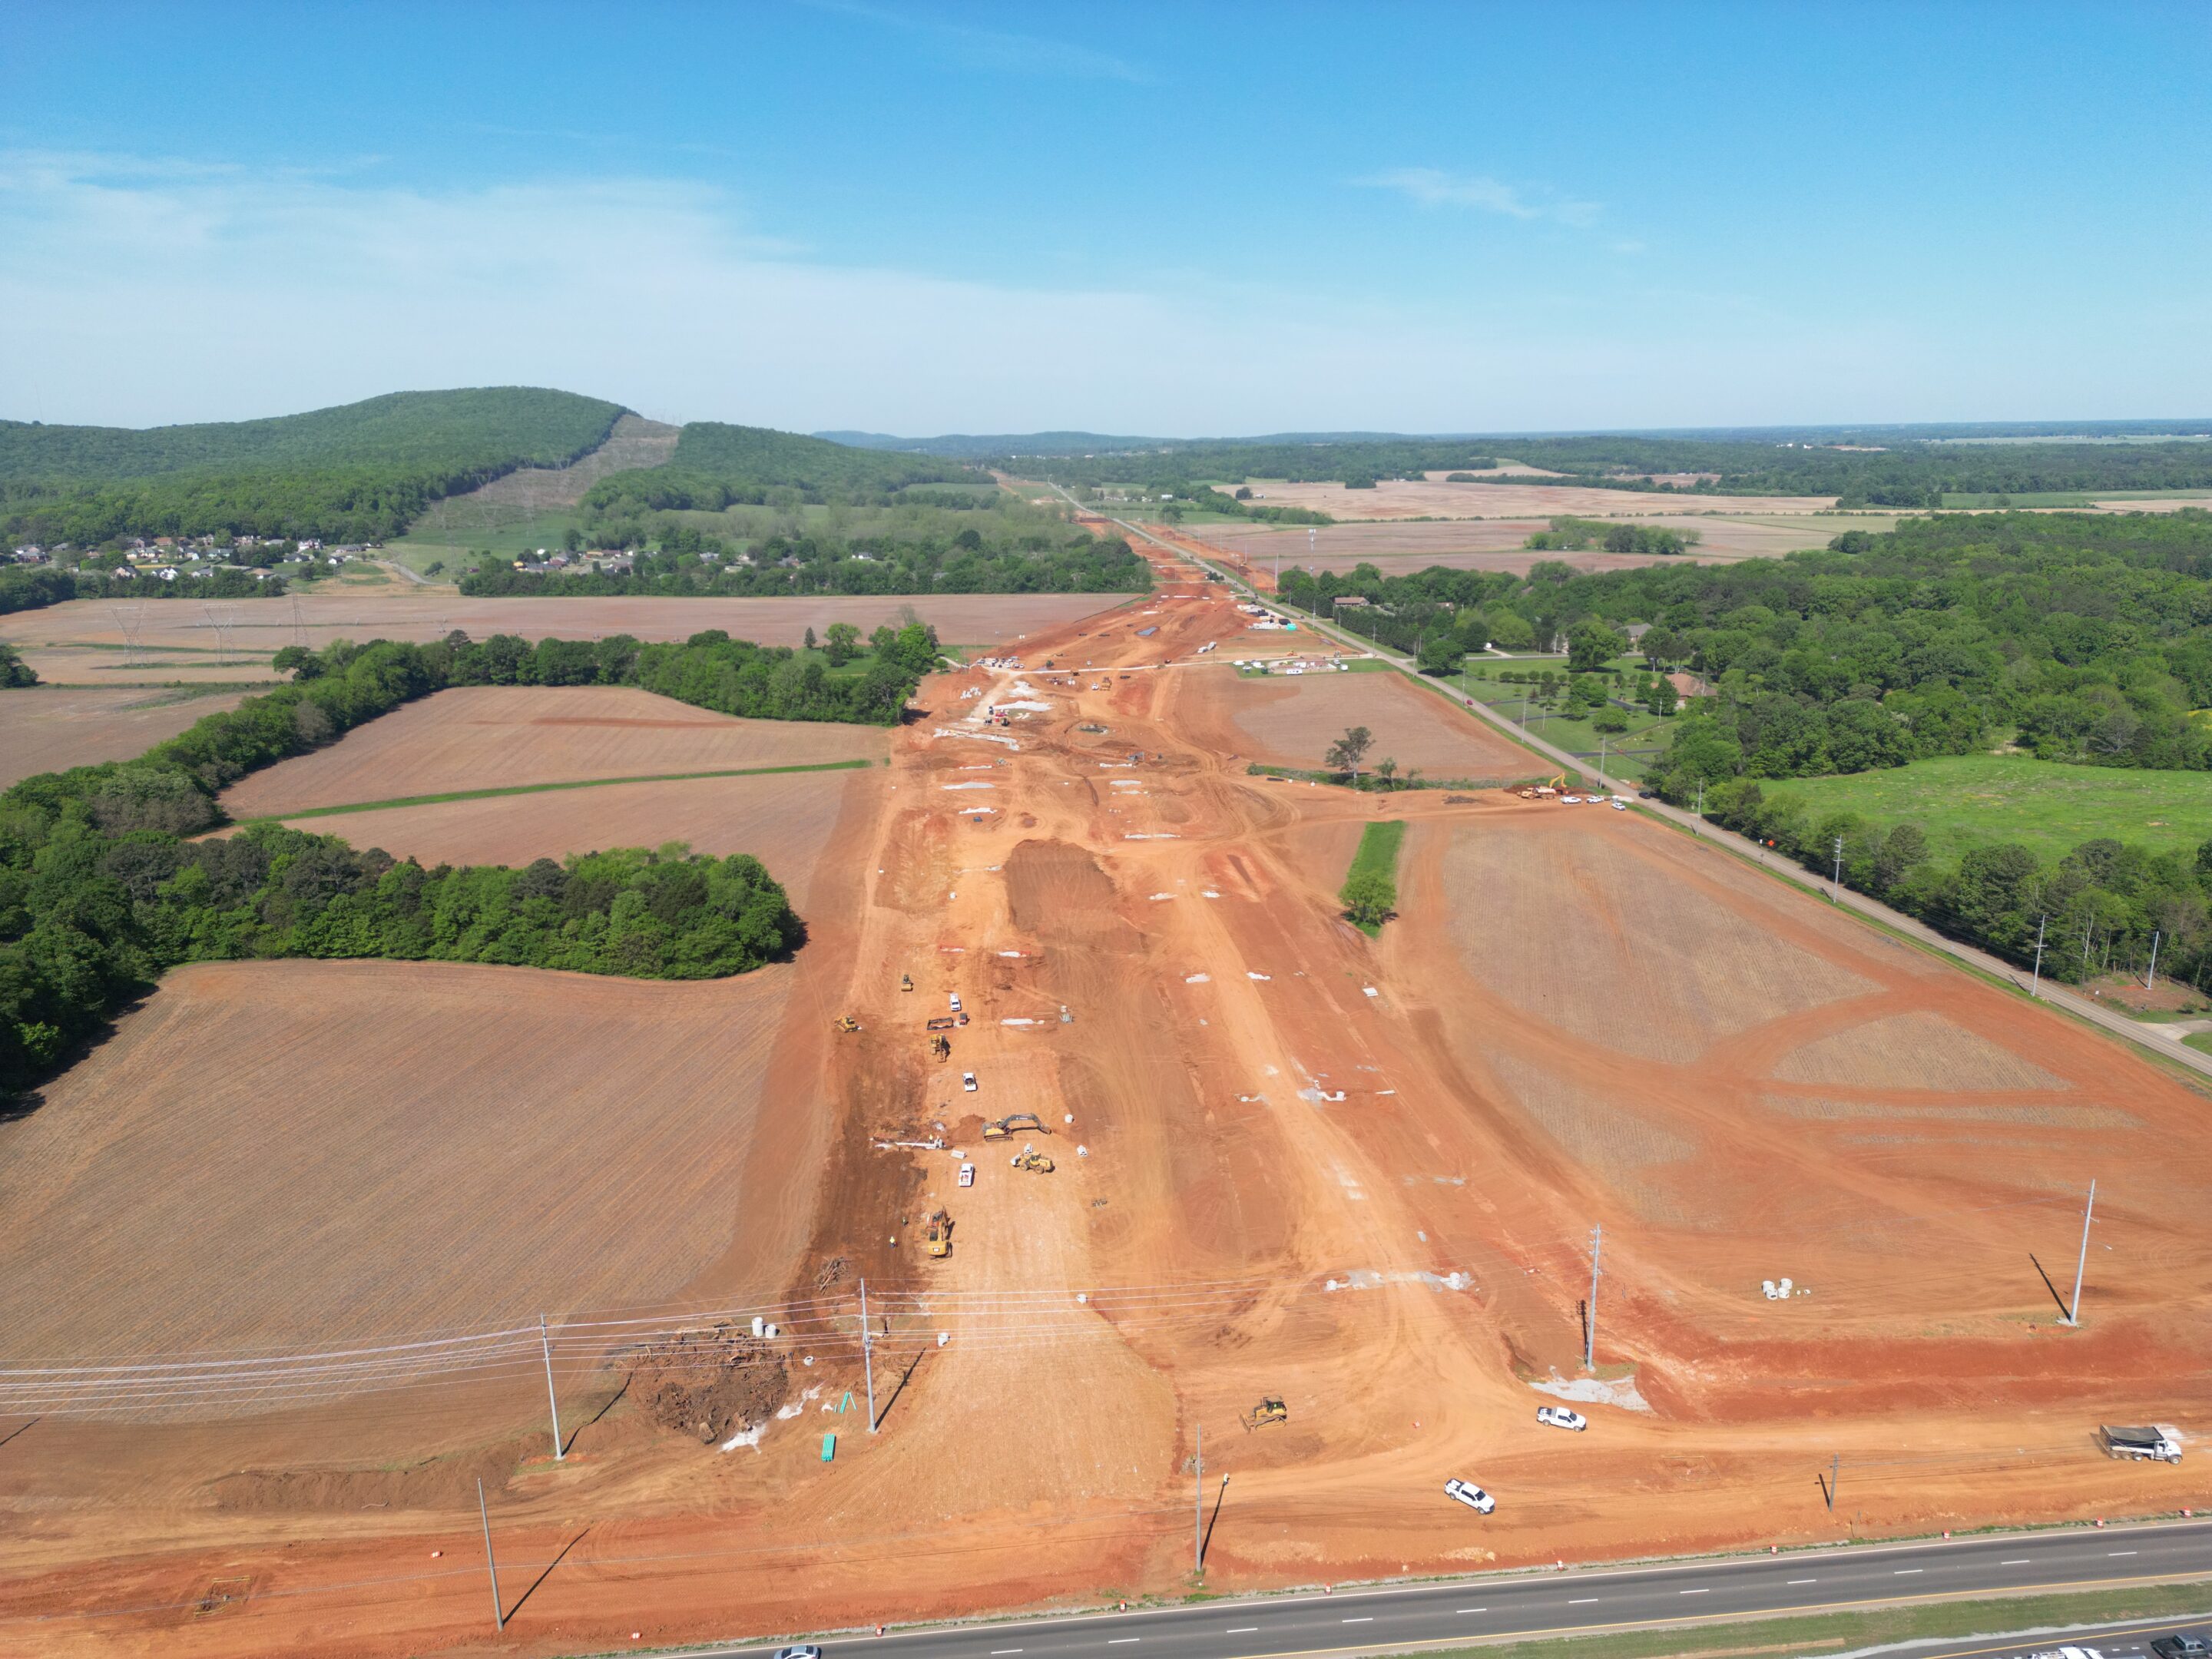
[1578, 1600]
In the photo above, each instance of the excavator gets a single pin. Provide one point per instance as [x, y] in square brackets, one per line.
[844, 1023]
[1006, 1126]
[1037, 1161]
[906, 981]
[941, 1046]
[937, 1234]
[1270, 1410]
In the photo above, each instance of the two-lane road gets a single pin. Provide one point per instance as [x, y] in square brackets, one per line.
[1581, 1600]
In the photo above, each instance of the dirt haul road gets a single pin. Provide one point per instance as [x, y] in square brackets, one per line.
[1356, 1175]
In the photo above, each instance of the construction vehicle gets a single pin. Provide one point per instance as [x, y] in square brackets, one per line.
[2157, 1443]
[906, 981]
[941, 1046]
[1029, 1160]
[844, 1023]
[1000, 1130]
[937, 1234]
[1270, 1410]
[944, 1023]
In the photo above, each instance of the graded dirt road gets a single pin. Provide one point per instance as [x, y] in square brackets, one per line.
[1358, 1176]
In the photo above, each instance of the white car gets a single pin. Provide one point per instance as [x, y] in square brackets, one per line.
[1473, 1496]
[956, 1002]
[1558, 1417]
[968, 1081]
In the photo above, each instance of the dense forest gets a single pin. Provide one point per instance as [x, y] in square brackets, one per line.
[715, 466]
[102, 889]
[2089, 636]
[359, 472]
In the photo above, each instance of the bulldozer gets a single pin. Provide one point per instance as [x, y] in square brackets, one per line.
[937, 1234]
[1270, 1410]
[844, 1023]
[1006, 1126]
[906, 981]
[1037, 1161]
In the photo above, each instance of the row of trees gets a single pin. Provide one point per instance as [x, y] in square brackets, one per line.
[1573, 535]
[2099, 908]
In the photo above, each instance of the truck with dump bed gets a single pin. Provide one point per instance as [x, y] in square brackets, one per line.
[2157, 1443]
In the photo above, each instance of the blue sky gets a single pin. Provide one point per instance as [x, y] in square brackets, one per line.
[1181, 220]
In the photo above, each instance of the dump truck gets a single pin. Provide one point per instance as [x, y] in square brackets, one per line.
[937, 1234]
[2158, 1444]
[844, 1023]
[1270, 1410]
[1035, 1161]
[942, 1022]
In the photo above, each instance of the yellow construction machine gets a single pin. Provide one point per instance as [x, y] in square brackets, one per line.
[1270, 1410]
[844, 1023]
[937, 1234]
[1037, 1161]
[906, 981]
[941, 1047]
[1004, 1127]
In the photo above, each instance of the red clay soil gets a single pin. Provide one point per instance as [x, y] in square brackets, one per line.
[1290, 1161]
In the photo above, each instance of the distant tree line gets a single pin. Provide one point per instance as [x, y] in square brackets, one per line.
[1573, 535]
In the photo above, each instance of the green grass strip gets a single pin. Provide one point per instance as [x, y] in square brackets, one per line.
[1378, 850]
[541, 788]
[1816, 1633]
[1371, 886]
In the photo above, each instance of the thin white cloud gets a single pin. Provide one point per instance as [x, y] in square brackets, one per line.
[1001, 50]
[1432, 187]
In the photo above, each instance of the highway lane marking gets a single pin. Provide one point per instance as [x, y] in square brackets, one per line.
[1117, 1641]
[1241, 1629]
[2119, 1552]
[1474, 1609]
[995, 1652]
[1369, 1619]
[1694, 1592]
[2022, 1562]
[1804, 1581]
[1900, 1572]
[1580, 1601]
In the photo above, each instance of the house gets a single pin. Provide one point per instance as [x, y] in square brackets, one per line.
[1688, 684]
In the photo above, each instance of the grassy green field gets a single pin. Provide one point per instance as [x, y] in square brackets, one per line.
[1627, 754]
[509, 532]
[2069, 497]
[1378, 856]
[1973, 800]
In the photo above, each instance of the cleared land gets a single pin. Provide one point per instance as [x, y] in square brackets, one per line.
[1431, 499]
[1399, 548]
[269, 1154]
[83, 641]
[1293, 720]
[1269, 1183]
[50, 728]
[1963, 801]
[495, 737]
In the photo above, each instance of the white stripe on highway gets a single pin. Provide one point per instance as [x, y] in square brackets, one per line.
[995, 1652]
[1901, 1571]
[1804, 1581]
[2119, 1552]
[1695, 1592]
[1241, 1629]
[1366, 1621]
[1117, 1641]
[1580, 1601]
[1474, 1609]
[2022, 1562]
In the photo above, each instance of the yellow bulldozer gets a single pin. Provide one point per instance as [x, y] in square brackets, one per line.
[844, 1023]
[1000, 1130]
[1037, 1161]
[906, 981]
[1270, 1410]
[937, 1234]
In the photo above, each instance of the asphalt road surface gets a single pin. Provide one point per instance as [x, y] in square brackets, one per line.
[1579, 1601]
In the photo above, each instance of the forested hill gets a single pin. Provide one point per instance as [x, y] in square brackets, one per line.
[716, 465]
[356, 472]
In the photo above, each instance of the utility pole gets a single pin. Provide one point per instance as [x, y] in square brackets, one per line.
[1700, 808]
[1835, 1473]
[1836, 886]
[2150, 980]
[868, 1355]
[1198, 1508]
[2035, 984]
[2087, 928]
[2073, 1314]
[545, 1341]
[498, 1613]
[1590, 1326]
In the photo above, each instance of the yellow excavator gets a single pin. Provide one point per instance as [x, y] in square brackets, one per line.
[906, 981]
[1037, 1161]
[1270, 1410]
[1000, 1130]
[844, 1023]
[937, 1234]
[941, 1047]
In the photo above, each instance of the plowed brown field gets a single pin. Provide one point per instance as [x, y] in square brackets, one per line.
[495, 736]
[1291, 720]
[1357, 1174]
[50, 728]
[80, 642]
